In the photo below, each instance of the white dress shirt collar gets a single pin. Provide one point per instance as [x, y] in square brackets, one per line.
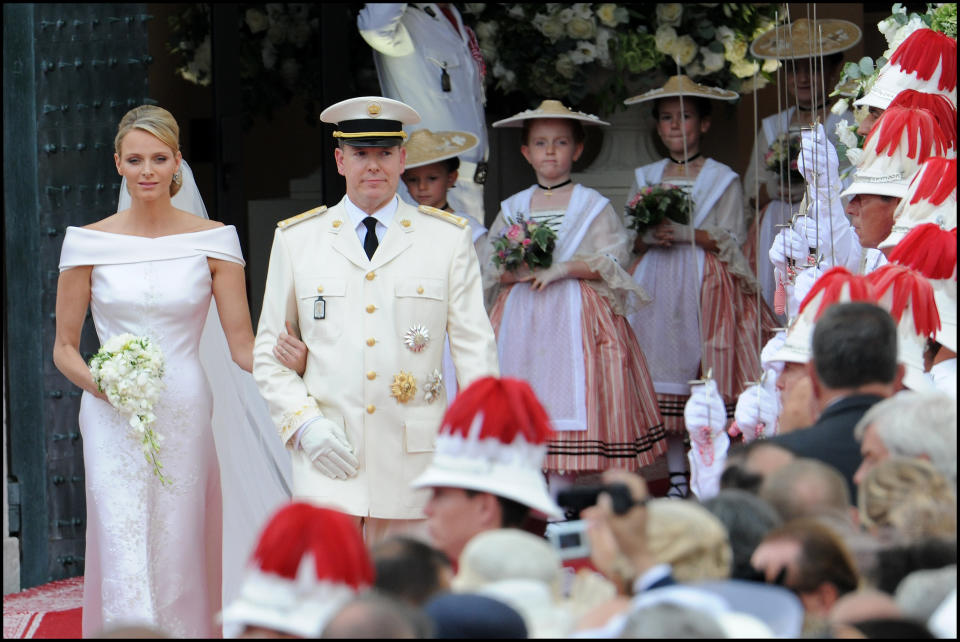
[384, 217]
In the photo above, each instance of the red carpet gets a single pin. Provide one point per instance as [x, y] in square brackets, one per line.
[48, 611]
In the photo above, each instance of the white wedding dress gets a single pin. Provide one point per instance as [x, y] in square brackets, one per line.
[153, 552]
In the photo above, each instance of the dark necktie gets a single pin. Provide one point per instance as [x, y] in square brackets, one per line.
[370, 242]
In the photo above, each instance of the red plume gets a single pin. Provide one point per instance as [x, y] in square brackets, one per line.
[299, 529]
[939, 106]
[924, 136]
[509, 408]
[909, 288]
[831, 284]
[935, 181]
[922, 51]
[928, 250]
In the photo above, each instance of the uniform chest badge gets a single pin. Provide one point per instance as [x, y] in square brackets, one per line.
[416, 338]
[404, 387]
[433, 386]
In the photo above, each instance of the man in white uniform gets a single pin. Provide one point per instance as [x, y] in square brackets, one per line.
[426, 57]
[372, 285]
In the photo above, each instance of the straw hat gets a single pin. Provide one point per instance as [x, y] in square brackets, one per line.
[898, 143]
[549, 109]
[925, 61]
[309, 561]
[931, 198]
[909, 298]
[837, 285]
[795, 39]
[425, 147]
[494, 439]
[683, 86]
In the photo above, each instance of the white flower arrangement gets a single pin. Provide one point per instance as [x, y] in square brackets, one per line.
[595, 55]
[129, 370]
[858, 77]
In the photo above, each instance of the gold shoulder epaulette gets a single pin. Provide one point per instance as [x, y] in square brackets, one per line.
[293, 220]
[459, 221]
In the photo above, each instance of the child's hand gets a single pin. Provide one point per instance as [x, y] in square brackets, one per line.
[663, 234]
[291, 351]
[543, 278]
[522, 273]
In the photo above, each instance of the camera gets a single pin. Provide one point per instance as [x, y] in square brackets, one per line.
[580, 497]
[569, 539]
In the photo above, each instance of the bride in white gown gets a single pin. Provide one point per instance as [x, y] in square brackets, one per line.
[153, 551]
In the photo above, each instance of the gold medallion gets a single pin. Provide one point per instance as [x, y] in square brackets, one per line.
[416, 338]
[373, 109]
[404, 387]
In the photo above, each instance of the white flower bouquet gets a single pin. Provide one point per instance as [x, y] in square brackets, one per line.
[129, 370]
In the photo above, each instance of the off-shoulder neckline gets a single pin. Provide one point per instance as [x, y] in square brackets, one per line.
[149, 238]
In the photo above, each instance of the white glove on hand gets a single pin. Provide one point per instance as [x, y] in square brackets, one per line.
[757, 409]
[788, 244]
[543, 278]
[806, 227]
[802, 285]
[705, 416]
[326, 445]
[818, 162]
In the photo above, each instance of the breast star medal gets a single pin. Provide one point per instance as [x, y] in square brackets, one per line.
[404, 387]
[416, 338]
[433, 386]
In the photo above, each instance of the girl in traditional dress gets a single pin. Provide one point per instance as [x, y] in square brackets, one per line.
[704, 311]
[562, 327]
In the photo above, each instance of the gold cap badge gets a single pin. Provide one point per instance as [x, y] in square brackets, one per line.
[373, 109]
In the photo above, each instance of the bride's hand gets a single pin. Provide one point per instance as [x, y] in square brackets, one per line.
[291, 351]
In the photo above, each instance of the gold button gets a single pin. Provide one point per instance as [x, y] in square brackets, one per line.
[371, 308]
[420, 290]
[337, 223]
[319, 288]
[405, 222]
[371, 276]
[371, 375]
[371, 409]
[371, 341]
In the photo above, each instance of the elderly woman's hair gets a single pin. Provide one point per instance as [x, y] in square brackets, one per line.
[687, 536]
[909, 497]
[153, 120]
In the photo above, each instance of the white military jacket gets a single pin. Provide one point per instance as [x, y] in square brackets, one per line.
[363, 322]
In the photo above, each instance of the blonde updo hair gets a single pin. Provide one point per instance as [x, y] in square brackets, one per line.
[687, 536]
[908, 498]
[153, 120]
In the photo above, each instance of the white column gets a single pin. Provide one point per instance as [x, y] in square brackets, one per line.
[627, 144]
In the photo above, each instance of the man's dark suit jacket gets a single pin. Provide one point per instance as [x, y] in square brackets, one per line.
[831, 440]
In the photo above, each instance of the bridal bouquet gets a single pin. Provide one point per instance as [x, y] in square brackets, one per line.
[525, 241]
[781, 158]
[652, 204]
[129, 370]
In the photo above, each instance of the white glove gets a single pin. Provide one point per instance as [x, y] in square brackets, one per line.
[788, 244]
[757, 409]
[806, 227]
[818, 163]
[542, 278]
[802, 285]
[325, 443]
[705, 416]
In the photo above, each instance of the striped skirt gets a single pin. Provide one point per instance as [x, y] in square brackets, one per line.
[624, 429]
[731, 348]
